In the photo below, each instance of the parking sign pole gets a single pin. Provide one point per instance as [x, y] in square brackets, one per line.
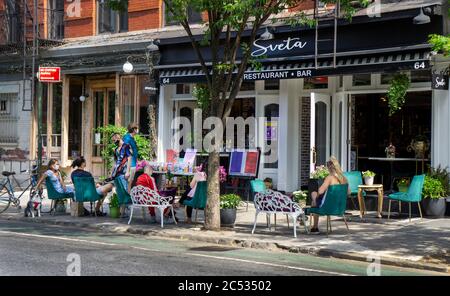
[39, 105]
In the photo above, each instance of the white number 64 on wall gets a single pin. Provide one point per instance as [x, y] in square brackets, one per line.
[419, 65]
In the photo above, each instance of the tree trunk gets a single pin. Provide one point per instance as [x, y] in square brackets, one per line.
[212, 211]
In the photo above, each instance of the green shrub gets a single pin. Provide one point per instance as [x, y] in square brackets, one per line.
[229, 201]
[299, 195]
[443, 176]
[432, 188]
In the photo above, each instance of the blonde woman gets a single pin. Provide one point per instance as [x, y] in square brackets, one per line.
[335, 177]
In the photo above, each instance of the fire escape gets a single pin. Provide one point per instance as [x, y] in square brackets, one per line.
[25, 29]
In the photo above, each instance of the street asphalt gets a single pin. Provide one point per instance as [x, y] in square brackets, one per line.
[39, 249]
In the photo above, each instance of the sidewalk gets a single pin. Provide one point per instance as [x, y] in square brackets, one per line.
[419, 244]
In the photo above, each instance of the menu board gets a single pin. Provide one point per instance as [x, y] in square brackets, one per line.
[189, 156]
[244, 163]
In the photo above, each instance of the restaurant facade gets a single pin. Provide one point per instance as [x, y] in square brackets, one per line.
[330, 103]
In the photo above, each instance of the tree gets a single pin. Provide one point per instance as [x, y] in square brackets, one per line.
[231, 27]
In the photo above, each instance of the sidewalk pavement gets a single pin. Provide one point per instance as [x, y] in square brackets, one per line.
[419, 244]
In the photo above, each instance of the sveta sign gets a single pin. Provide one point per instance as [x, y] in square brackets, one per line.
[439, 81]
[277, 46]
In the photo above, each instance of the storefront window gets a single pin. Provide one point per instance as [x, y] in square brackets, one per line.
[339, 148]
[387, 78]
[272, 85]
[146, 98]
[247, 85]
[183, 89]
[271, 113]
[316, 83]
[361, 80]
[420, 76]
[75, 111]
[128, 99]
[242, 108]
[57, 109]
[321, 132]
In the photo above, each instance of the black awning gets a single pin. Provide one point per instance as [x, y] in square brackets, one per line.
[378, 63]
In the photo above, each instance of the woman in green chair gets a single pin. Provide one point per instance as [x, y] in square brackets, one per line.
[318, 196]
[79, 166]
[55, 178]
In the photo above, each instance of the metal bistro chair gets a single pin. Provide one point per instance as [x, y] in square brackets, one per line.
[198, 201]
[414, 194]
[85, 191]
[334, 204]
[55, 195]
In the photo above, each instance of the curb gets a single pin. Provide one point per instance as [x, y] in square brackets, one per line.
[243, 243]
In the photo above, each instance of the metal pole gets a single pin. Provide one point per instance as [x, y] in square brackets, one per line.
[39, 105]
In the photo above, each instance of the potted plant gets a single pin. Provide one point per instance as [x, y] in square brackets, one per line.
[228, 208]
[434, 196]
[403, 185]
[369, 176]
[300, 197]
[114, 209]
[169, 178]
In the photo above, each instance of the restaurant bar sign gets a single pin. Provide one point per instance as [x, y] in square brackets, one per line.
[278, 74]
[439, 81]
[49, 74]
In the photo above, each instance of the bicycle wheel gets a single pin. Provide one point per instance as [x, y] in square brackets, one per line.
[5, 201]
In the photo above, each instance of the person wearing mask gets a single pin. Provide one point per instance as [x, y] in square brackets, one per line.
[318, 196]
[55, 178]
[122, 166]
[130, 140]
[79, 166]
[199, 175]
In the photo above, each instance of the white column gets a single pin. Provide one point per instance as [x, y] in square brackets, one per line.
[164, 120]
[440, 131]
[288, 125]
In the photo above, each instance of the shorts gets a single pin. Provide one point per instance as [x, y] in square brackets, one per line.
[99, 190]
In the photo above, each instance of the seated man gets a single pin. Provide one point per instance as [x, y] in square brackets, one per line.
[79, 166]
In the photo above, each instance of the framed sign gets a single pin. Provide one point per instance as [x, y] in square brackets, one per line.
[49, 74]
[439, 81]
[244, 163]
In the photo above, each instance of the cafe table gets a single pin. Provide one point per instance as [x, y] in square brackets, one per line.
[375, 187]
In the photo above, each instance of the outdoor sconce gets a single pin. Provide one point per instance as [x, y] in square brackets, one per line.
[83, 97]
[266, 35]
[422, 18]
[127, 67]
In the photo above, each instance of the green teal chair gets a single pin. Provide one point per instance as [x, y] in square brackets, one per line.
[256, 186]
[198, 201]
[354, 179]
[55, 195]
[85, 190]
[414, 194]
[334, 204]
[123, 195]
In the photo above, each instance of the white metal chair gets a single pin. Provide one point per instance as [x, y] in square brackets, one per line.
[143, 197]
[273, 202]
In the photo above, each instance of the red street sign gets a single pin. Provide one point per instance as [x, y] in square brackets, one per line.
[50, 74]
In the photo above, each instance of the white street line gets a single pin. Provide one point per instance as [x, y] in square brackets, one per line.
[193, 254]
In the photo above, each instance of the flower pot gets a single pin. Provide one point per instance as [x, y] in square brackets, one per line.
[227, 217]
[434, 207]
[114, 212]
[368, 180]
[447, 208]
[60, 206]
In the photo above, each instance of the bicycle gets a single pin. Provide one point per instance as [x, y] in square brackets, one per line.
[8, 197]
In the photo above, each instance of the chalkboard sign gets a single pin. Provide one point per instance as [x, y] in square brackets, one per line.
[244, 163]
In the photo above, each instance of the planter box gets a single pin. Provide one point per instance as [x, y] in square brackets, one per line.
[227, 217]
[434, 207]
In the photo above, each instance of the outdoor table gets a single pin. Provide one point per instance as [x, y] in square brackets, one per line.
[374, 187]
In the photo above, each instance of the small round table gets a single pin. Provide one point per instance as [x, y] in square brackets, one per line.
[374, 187]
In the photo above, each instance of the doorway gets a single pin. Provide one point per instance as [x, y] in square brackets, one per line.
[320, 129]
[75, 118]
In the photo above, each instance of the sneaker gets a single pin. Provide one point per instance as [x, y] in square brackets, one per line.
[314, 231]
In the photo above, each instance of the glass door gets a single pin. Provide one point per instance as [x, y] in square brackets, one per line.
[104, 114]
[320, 129]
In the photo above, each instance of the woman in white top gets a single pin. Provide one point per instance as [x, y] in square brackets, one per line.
[199, 176]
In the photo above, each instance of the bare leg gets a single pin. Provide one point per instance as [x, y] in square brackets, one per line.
[315, 221]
